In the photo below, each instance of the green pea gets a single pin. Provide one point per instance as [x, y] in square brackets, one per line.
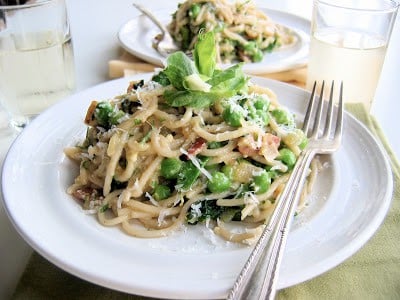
[232, 116]
[214, 145]
[250, 46]
[219, 183]
[257, 55]
[287, 157]
[261, 103]
[170, 168]
[273, 174]
[303, 144]
[161, 192]
[282, 116]
[262, 182]
[263, 116]
[212, 168]
[258, 115]
[228, 170]
[194, 10]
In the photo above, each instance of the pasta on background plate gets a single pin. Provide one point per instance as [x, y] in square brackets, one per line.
[193, 144]
[243, 32]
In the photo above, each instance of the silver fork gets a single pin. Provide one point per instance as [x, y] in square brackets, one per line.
[259, 275]
[164, 42]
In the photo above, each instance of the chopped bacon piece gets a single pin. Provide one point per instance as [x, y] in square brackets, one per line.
[270, 145]
[267, 146]
[248, 146]
[196, 147]
[86, 193]
[89, 118]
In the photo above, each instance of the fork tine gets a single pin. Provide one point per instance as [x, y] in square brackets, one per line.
[317, 122]
[307, 117]
[339, 122]
[328, 122]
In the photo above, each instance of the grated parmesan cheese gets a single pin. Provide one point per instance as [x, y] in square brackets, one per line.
[151, 199]
[196, 209]
[250, 198]
[161, 216]
[196, 163]
[119, 201]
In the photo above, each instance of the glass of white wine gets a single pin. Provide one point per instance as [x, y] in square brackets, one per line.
[349, 39]
[36, 57]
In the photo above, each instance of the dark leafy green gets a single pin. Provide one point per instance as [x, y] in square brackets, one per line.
[161, 78]
[209, 210]
[189, 174]
[106, 115]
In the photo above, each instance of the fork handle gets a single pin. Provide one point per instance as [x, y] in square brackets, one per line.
[259, 275]
[152, 17]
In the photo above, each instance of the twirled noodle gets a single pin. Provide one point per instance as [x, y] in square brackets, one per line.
[123, 174]
[243, 32]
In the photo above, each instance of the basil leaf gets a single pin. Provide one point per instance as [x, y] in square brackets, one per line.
[228, 82]
[179, 66]
[196, 99]
[204, 54]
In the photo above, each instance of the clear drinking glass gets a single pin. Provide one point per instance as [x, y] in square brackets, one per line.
[36, 58]
[349, 39]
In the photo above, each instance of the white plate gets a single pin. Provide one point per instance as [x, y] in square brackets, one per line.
[350, 201]
[136, 37]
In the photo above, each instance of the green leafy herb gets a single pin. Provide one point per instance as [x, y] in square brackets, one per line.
[196, 99]
[106, 115]
[104, 208]
[179, 66]
[205, 54]
[198, 84]
[161, 192]
[161, 78]
[228, 82]
[209, 210]
[189, 174]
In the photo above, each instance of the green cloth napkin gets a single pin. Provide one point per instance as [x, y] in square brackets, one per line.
[372, 273]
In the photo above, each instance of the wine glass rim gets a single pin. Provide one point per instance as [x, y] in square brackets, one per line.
[26, 5]
[389, 6]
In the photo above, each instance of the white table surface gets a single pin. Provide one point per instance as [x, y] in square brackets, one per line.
[94, 26]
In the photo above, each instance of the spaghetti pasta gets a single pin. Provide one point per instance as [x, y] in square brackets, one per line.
[243, 32]
[166, 154]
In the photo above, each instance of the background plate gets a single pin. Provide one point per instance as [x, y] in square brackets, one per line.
[136, 37]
